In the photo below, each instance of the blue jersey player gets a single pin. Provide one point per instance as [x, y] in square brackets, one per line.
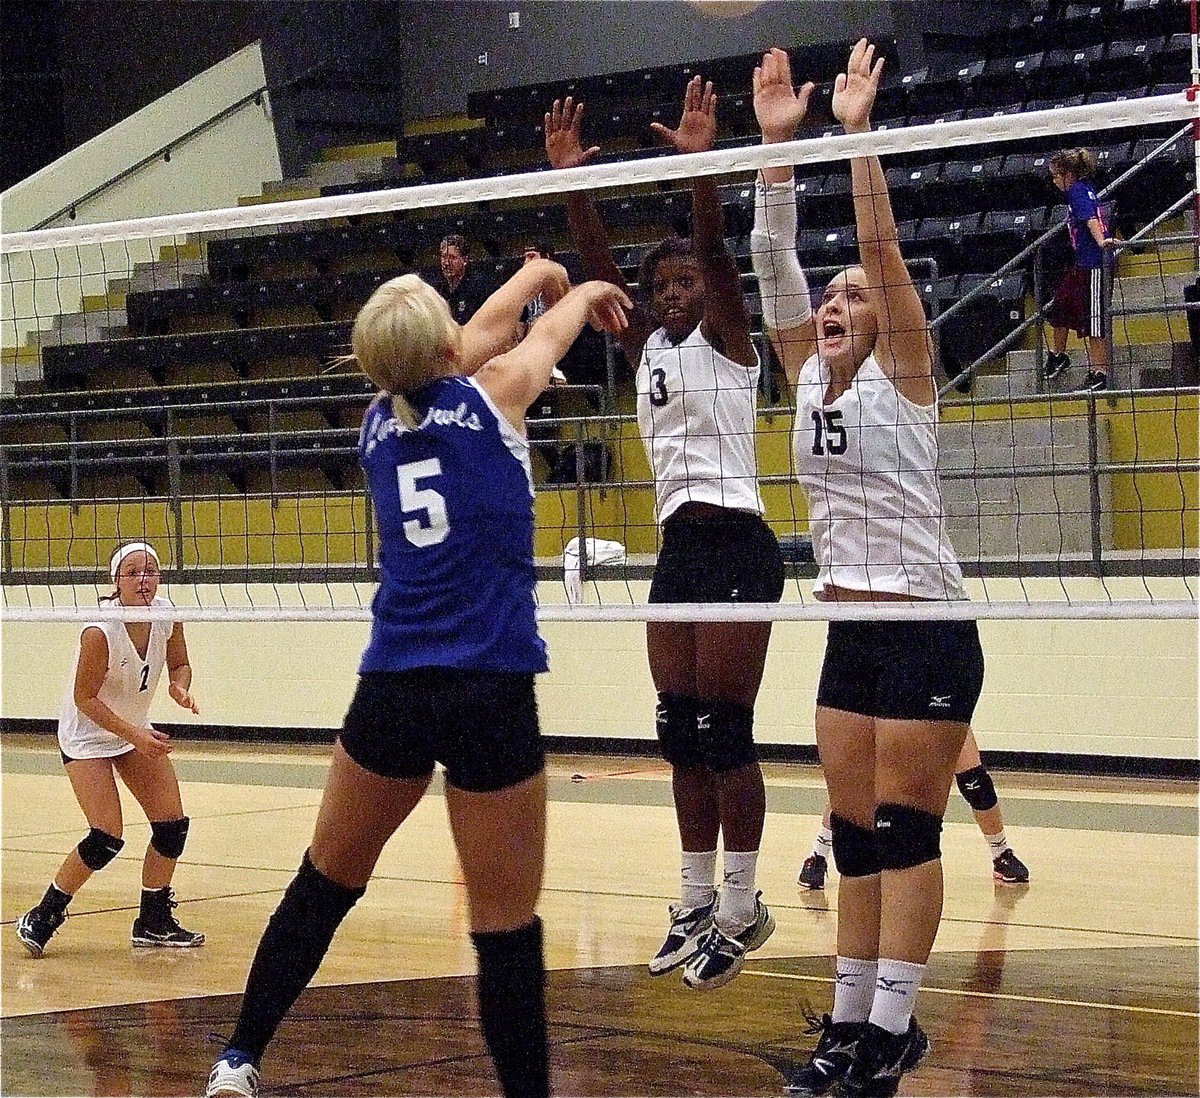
[449, 671]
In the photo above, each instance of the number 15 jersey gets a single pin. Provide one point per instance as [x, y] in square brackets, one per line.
[453, 502]
[868, 464]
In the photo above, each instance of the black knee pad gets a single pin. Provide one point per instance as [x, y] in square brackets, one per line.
[726, 732]
[168, 836]
[675, 724]
[855, 851]
[977, 789]
[97, 848]
[906, 837]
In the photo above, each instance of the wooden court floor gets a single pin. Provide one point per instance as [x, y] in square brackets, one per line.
[1083, 983]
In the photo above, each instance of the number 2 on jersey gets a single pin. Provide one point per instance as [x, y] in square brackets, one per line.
[435, 526]
[830, 424]
[145, 678]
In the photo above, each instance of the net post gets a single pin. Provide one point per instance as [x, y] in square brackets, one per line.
[1094, 483]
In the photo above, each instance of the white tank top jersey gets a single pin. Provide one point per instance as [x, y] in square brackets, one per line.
[868, 463]
[128, 689]
[697, 413]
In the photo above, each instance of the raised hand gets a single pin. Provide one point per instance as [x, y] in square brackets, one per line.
[564, 146]
[777, 107]
[698, 126]
[607, 306]
[854, 90]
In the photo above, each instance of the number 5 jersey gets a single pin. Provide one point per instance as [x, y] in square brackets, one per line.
[453, 501]
[697, 414]
[868, 464]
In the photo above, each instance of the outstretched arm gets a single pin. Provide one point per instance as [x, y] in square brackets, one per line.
[787, 303]
[564, 149]
[904, 351]
[493, 326]
[514, 379]
[726, 319]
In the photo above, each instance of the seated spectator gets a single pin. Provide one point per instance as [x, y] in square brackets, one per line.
[464, 287]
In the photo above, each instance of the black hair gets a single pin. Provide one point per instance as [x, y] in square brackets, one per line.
[457, 240]
[674, 247]
[542, 247]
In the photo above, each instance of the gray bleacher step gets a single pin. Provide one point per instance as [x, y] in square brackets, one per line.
[168, 275]
[1143, 365]
[329, 173]
[995, 512]
[1151, 291]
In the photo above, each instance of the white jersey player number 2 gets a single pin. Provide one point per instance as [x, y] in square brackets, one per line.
[435, 527]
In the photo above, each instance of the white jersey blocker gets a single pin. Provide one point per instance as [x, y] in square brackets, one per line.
[697, 414]
[128, 689]
[868, 464]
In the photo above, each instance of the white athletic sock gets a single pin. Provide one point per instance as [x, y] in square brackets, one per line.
[854, 989]
[823, 847]
[696, 875]
[998, 844]
[735, 909]
[896, 985]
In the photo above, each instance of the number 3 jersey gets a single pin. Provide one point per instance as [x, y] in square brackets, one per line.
[868, 464]
[453, 503]
[696, 411]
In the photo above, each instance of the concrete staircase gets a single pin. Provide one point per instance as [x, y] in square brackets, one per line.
[993, 512]
[1150, 351]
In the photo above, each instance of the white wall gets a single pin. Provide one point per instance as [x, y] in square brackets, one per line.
[1075, 687]
[211, 170]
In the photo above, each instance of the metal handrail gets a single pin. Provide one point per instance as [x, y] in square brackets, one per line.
[255, 96]
[1058, 227]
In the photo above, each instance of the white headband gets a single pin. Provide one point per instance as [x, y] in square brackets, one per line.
[124, 551]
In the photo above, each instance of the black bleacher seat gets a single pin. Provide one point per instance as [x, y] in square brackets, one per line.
[1001, 235]
[947, 92]
[435, 148]
[70, 364]
[1117, 96]
[943, 239]
[1007, 80]
[1026, 179]
[935, 119]
[1065, 71]
[912, 190]
[149, 312]
[820, 247]
[1126, 63]
[984, 321]
[1150, 17]
[237, 257]
[974, 184]
[1158, 184]
[832, 203]
[1084, 24]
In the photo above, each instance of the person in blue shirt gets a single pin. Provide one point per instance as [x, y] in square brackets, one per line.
[1083, 296]
[448, 674]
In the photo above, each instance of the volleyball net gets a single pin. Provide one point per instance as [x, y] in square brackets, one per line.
[178, 377]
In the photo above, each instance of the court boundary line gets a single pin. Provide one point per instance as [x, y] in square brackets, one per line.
[964, 993]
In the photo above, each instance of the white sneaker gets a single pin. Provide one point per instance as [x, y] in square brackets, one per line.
[230, 1077]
